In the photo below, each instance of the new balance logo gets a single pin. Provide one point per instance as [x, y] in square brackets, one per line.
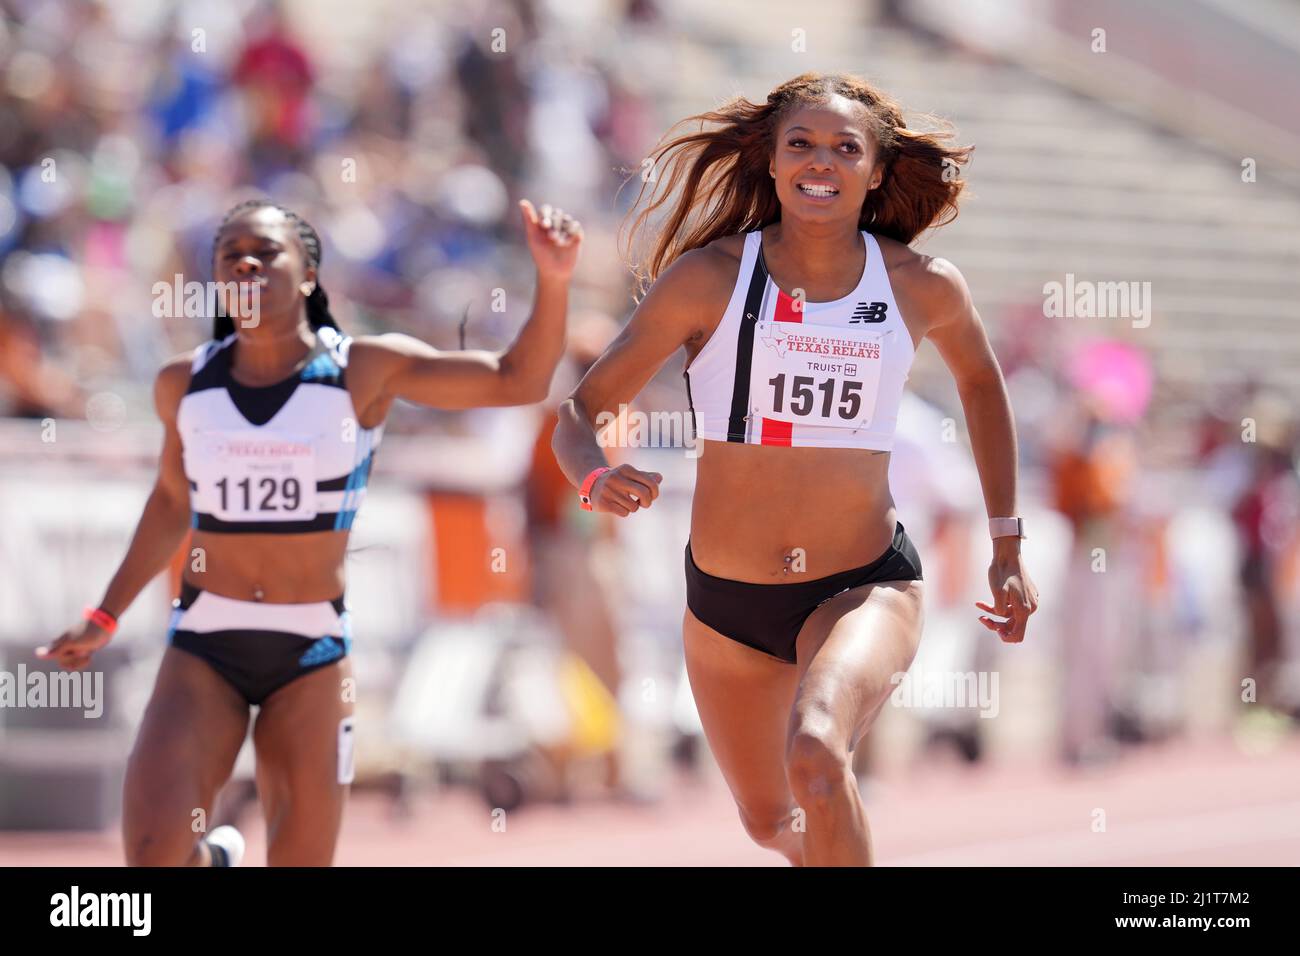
[867, 312]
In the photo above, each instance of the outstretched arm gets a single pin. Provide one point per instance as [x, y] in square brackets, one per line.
[408, 368]
[963, 344]
[675, 309]
[162, 526]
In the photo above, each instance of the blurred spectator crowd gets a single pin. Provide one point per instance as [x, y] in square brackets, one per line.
[127, 130]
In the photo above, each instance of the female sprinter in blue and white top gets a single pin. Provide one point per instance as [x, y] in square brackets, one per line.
[782, 267]
[270, 433]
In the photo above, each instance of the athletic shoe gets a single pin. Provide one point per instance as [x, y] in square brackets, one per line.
[226, 845]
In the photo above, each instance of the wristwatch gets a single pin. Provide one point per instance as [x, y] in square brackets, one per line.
[1007, 527]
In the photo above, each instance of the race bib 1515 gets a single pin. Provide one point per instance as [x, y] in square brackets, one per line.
[815, 375]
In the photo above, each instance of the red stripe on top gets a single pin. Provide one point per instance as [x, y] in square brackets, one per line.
[776, 433]
[788, 309]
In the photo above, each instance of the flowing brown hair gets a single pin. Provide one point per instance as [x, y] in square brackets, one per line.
[726, 163]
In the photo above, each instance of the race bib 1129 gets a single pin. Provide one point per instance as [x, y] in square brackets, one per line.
[250, 476]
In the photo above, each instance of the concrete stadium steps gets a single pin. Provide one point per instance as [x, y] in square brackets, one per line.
[1216, 242]
[768, 23]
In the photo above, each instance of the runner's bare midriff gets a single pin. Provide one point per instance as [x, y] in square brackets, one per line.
[275, 568]
[755, 505]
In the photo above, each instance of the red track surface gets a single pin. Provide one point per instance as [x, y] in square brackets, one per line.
[1187, 803]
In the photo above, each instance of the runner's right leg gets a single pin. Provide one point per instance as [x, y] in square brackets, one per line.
[184, 752]
[744, 699]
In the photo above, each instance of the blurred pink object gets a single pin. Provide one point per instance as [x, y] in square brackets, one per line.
[1117, 376]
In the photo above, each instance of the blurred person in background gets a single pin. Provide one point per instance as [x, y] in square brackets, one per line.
[1266, 515]
[291, 411]
[1091, 468]
[30, 386]
[936, 482]
[275, 76]
[790, 671]
[489, 73]
[574, 562]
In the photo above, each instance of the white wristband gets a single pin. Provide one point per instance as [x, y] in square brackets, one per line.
[1006, 527]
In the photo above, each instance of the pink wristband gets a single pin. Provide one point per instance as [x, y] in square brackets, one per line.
[584, 494]
[100, 618]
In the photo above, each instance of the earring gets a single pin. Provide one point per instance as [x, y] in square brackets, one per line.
[307, 289]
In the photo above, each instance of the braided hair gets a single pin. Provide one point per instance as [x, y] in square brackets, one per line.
[318, 303]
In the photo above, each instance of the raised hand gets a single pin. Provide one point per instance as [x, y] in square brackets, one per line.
[554, 238]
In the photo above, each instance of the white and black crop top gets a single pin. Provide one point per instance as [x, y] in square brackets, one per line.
[286, 458]
[781, 371]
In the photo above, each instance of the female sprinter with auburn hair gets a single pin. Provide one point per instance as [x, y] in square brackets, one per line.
[270, 433]
[783, 269]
